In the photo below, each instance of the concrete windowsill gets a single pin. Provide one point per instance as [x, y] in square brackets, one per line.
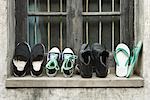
[76, 81]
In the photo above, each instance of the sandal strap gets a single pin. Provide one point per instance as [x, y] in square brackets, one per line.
[125, 52]
[136, 50]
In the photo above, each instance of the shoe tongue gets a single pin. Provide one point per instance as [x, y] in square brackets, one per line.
[67, 56]
[53, 56]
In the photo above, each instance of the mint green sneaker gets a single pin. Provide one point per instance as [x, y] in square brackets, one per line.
[68, 62]
[133, 59]
[52, 66]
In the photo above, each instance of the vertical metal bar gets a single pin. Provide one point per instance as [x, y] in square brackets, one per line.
[113, 26]
[35, 23]
[28, 22]
[87, 24]
[100, 24]
[61, 26]
[27, 5]
[35, 31]
[121, 21]
[48, 27]
[35, 5]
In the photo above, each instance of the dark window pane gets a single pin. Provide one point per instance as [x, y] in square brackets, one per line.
[117, 33]
[84, 32]
[54, 5]
[107, 34]
[93, 32]
[64, 35]
[64, 5]
[106, 5]
[31, 5]
[54, 36]
[84, 5]
[42, 5]
[117, 5]
[37, 30]
[93, 5]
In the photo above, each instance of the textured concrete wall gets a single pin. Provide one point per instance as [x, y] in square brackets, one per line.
[78, 93]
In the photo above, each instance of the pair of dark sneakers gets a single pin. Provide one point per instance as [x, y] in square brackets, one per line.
[93, 59]
[26, 60]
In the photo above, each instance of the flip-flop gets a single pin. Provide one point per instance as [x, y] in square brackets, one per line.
[52, 66]
[122, 55]
[134, 58]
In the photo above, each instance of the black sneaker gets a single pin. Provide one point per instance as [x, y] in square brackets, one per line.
[99, 56]
[20, 62]
[37, 60]
[85, 61]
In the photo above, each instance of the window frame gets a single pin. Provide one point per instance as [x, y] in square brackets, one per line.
[138, 81]
[74, 30]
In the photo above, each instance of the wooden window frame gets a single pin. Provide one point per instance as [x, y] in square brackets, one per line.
[74, 13]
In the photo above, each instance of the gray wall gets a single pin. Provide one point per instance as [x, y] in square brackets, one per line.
[142, 29]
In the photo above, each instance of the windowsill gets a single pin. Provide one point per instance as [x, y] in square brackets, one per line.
[76, 81]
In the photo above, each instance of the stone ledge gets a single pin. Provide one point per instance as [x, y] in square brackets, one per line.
[76, 81]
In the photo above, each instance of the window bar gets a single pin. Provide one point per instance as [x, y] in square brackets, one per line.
[100, 24]
[113, 25]
[27, 22]
[87, 25]
[35, 23]
[61, 26]
[48, 27]
[121, 20]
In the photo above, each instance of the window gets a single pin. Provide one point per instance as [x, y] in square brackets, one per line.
[52, 22]
[70, 23]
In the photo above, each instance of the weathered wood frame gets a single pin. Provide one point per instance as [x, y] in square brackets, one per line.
[110, 81]
[74, 22]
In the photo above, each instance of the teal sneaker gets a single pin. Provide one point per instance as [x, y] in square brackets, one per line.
[68, 58]
[52, 66]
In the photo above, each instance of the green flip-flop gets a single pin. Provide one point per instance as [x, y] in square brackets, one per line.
[134, 58]
[121, 56]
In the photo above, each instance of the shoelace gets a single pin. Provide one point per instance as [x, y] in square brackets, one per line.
[52, 63]
[68, 58]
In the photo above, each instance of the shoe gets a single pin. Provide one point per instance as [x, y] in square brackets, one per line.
[68, 58]
[20, 61]
[133, 59]
[37, 59]
[52, 66]
[99, 56]
[122, 57]
[85, 61]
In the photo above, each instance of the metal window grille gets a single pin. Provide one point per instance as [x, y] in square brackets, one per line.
[72, 22]
[102, 22]
[46, 22]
